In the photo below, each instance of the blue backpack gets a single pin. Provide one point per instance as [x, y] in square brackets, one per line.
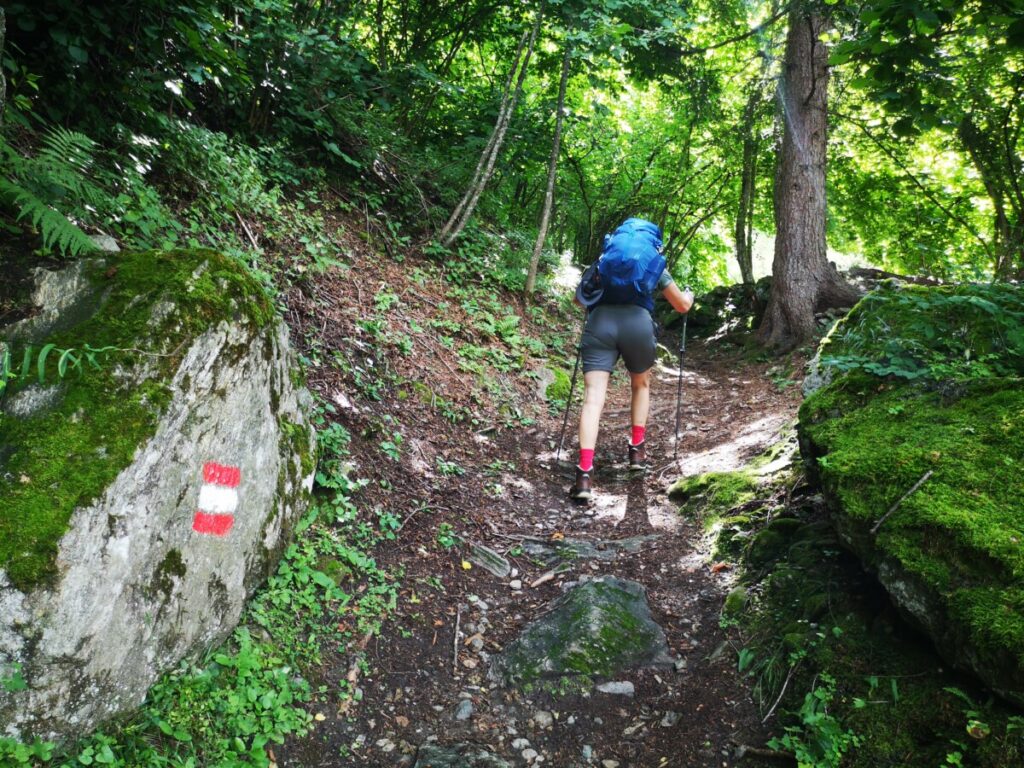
[631, 263]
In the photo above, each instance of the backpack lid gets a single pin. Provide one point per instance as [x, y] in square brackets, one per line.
[590, 290]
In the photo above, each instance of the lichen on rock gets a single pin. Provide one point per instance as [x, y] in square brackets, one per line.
[104, 482]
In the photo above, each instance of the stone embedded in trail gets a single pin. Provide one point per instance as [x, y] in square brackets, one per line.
[600, 627]
[618, 688]
[490, 561]
[145, 500]
[582, 549]
[457, 756]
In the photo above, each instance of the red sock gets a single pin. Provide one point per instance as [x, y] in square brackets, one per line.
[638, 435]
[586, 459]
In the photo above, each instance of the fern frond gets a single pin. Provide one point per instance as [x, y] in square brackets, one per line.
[67, 149]
[54, 227]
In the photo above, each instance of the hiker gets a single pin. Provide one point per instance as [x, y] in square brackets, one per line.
[618, 293]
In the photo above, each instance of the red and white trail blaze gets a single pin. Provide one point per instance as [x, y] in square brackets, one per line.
[218, 499]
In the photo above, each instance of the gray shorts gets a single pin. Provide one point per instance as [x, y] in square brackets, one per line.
[619, 329]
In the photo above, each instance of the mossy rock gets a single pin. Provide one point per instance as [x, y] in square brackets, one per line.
[714, 493]
[950, 554]
[600, 628]
[124, 543]
[558, 390]
[735, 602]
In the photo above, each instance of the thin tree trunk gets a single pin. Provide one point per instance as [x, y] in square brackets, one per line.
[549, 195]
[506, 95]
[803, 281]
[988, 159]
[464, 211]
[3, 82]
[382, 43]
[745, 209]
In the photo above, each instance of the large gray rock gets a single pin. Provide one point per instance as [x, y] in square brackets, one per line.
[599, 628]
[147, 499]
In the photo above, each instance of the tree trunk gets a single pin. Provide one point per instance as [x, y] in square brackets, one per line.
[803, 281]
[382, 42]
[3, 82]
[485, 168]
[549, 195]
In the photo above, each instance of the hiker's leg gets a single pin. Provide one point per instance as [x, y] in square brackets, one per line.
[595, 388]
[640, 403]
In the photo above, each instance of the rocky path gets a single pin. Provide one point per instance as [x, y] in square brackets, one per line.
[440, 689]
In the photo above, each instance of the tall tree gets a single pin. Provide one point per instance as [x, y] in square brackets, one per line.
[549, 195]
[803, 281]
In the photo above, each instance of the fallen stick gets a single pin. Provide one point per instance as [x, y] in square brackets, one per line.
[248, 231]
[785, 684]
[455, 644]
[894, 507]
[544, 578]
[774, 754]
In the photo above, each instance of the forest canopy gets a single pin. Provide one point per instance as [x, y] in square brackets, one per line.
[443, 117]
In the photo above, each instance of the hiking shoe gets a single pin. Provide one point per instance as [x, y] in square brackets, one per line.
[581, 489]
[638, 457]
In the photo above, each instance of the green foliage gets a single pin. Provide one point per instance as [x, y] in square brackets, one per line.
[446, 536]
[820, 741]
[57, 178]
[933, 334]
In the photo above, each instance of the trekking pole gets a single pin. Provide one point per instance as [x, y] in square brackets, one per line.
[679, 387]
[572, 387]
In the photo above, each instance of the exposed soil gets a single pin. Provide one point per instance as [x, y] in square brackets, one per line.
[697, 713]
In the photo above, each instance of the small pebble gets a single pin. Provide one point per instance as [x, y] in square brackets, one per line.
[588, 752]
[670, 719]
[520, 744]
[516, 584]
[465, 710]
[543, 719]
[529, 755]
[610, 763]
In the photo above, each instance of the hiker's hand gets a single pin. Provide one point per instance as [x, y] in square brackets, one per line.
[680, 301]
[688, 298]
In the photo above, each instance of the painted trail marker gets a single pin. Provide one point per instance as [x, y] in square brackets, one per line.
[218, 499]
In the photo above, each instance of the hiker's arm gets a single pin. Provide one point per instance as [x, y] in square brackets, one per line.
[681, 301]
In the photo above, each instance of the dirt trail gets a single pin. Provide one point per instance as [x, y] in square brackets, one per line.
[426, 681]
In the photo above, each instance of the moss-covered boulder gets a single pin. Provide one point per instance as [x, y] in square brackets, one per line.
[599, 628]
[146, 490]
[928, 397]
